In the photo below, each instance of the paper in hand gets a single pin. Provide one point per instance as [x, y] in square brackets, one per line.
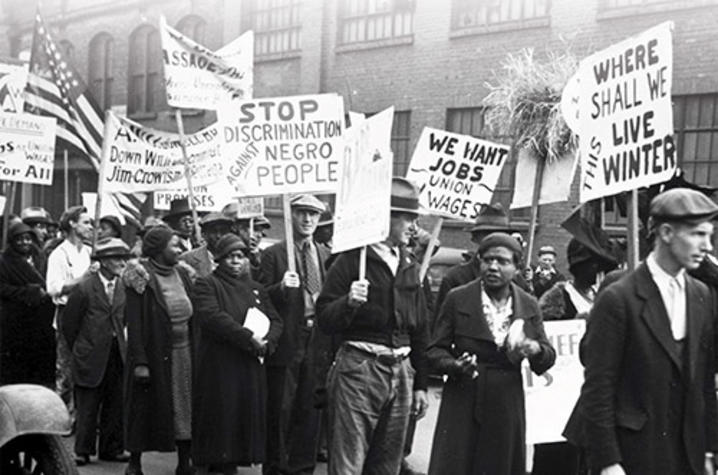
[516, 334]
[257, 322]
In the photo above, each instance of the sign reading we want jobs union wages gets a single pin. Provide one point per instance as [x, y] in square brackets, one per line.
[626, 116]
[283, 145]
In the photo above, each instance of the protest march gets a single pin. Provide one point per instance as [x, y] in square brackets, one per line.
[358, 237]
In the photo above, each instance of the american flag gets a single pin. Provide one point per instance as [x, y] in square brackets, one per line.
[55, 89]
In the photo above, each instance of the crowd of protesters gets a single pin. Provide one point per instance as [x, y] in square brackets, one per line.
[149, 347]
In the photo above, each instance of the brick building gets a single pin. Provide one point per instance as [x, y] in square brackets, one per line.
[431, 59]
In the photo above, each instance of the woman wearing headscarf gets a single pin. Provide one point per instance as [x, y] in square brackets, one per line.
[159, 370]
[27, 339]
[229, 421]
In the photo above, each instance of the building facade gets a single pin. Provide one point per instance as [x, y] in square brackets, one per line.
[430, 59]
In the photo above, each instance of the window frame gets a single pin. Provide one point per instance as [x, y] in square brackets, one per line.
[289, 11]
[459, 7]
[373, 18]
[196, 24]
[151, 100]
[102, 43]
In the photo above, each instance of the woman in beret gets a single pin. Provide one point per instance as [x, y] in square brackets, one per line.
[158, 370]
[229, 424]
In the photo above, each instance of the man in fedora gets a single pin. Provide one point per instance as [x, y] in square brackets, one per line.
[179, 218]
[294, 370]
[379, 376]
[491, 219]
[95, 332]
[648, 401]
[38, 219]
[213, 226]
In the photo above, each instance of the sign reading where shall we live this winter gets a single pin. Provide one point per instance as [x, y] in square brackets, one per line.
[138, 158]
[27, 148]
[198, 78]
[283, 145]
[625, 115]
[456, 174]
[364, 197]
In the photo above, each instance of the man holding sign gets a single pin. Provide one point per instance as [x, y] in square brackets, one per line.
[380, 372]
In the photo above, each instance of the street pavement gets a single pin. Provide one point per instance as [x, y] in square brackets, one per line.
[154, 463]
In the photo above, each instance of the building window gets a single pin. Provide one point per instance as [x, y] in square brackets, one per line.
[473, 13]
[631, 3]
[68, 51]
[193, 27]
[100, 69]
[400, 135]
[470, 121]
[372, 20]
[276, 24]
[145, 93]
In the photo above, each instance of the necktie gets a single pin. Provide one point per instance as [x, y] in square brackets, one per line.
[312, 281]
[111, 291]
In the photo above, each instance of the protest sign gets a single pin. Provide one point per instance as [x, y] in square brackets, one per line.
[138, 158]
[283, 145]
[13, 79]
[550, 398]
[27, 148]
[109, 206]
[196, 77]
[206, 198]
[250, 207]
[2, 203]
[455, 173]
[556, 179]
[625, 115]
[364, 196]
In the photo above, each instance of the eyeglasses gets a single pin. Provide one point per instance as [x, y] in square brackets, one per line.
[501, 261]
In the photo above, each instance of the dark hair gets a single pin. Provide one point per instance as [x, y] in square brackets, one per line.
[73, 213]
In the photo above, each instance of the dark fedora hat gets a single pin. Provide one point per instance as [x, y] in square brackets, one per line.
[178, 208]
[111, 247]
[492, 217]
[404, 196]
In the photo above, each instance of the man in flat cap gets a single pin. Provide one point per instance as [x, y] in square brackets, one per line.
[546, 274]
[648, 403]
[293, 421]
[213, 227]
[379, 376]
[94, 327]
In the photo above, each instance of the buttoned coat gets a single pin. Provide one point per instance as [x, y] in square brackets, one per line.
[89, 323]
[481, 425]
[643, 405]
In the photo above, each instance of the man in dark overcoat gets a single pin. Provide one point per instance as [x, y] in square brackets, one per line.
[294, 370]
[648, 403]
[94, 328]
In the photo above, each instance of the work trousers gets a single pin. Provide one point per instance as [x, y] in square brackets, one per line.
[63, 366]
[104, 400]
[293, 423]
[369, 408]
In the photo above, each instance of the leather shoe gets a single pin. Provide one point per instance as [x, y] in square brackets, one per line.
[81, 460]
[119, 457]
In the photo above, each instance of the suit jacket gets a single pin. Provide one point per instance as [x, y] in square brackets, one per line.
[642, 404]
[288, 302]
[198, 259]
[90, 323]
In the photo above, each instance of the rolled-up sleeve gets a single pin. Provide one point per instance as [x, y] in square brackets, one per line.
[57, 272]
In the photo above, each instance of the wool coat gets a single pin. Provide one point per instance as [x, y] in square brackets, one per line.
[643, 404]
[27, 339]
[229, 397]
[149, 417]
[199, 260]
[481, 425]
[90, 323]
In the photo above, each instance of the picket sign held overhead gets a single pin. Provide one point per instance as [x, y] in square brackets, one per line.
[273, 146]
[197, 78]
[27, 148]
[626, 115]
[138, 158]
[13, 80]
[363, 199]
[556, 179]
[456, 174]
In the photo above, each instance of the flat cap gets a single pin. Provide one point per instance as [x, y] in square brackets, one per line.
[306, 201]
[215, 218]
[547, 250]
[262, 222]
[682, 204]
[111, 247]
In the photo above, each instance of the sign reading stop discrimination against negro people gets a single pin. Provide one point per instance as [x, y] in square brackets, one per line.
[625, 115]
[27, 148]
[364, 195]
[138, 158]
[550, 398]
[456, 173]
[13, 79]
[196, 77]
[283, 145]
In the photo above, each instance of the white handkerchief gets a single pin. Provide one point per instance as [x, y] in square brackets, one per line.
[516, 334]
[257, 322]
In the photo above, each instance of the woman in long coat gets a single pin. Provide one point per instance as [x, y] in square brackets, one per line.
[229, 425]
[158, 373]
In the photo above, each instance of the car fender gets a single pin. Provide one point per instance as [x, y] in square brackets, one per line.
[31, 409]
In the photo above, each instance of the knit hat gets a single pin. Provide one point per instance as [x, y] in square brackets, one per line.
[155, 240]
[228, 244]
[499, 240]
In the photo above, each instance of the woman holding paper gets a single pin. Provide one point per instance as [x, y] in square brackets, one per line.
[238, 327]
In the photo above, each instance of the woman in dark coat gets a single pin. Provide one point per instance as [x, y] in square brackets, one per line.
[27, 339]
[158, 373]
[229, 425]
